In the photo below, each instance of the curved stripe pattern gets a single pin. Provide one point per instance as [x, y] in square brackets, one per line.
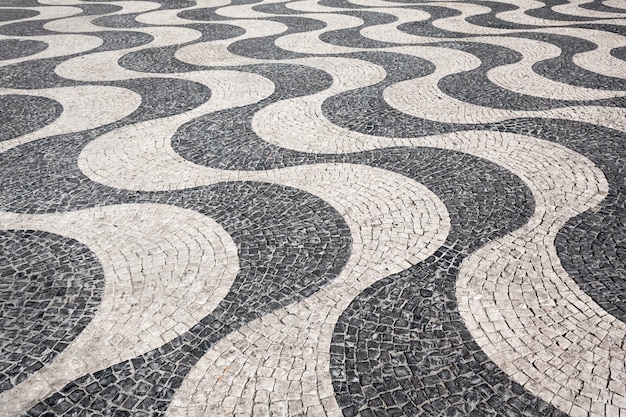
[312, 207]
[51, 289]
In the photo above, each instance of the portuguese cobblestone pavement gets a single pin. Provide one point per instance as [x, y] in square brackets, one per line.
[313, 208]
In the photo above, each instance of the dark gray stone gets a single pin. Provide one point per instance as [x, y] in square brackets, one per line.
[21, 114]
[50, 288]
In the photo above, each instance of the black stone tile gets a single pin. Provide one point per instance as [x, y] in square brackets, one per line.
[19, 48]
[22, 114]
[38, 272]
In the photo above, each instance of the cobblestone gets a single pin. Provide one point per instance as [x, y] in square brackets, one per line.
[313, 207]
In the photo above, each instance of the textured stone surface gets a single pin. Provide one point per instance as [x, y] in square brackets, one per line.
[51, 287]
[321, 208]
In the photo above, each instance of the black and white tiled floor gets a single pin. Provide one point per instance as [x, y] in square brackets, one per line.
[312, 208]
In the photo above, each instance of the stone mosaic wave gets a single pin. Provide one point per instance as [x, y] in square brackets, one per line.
[312, 207]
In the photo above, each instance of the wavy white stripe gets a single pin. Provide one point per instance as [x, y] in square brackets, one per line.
[260, 358]
[103, 66]
[131, 157]
[421, 97]
[309, 42]
[524, 310]
[404, 15]
[520, 77]
[568, 352]
[597, 60]
[58, 45]
[216, 53]
[127, 6]
[519, 154]
[304, 128]
[46, 13]
[84, 107]
[170, 16]
[245, 11]
[165, 268]
[572, 8]
[519, 16]
[280, 363]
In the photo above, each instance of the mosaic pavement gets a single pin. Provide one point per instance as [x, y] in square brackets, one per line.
[313, 207]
